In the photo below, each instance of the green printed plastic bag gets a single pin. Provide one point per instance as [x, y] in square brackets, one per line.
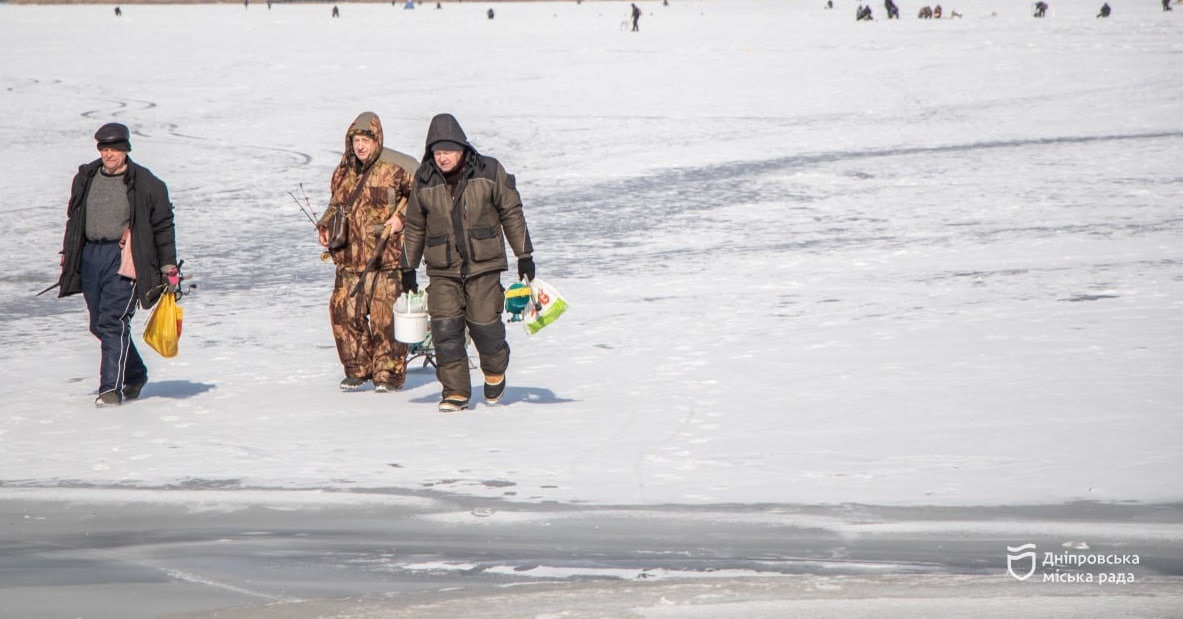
[548, 304]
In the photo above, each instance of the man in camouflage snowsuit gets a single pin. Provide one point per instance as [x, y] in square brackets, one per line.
[371, 184]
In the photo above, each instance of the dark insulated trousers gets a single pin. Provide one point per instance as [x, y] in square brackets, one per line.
[473, 304]
[110, 299]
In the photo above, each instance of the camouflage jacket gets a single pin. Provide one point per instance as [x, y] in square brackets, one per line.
[388, 178]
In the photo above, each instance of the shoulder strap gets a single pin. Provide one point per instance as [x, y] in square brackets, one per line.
[361, 183]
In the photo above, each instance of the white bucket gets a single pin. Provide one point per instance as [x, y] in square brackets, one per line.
[410, 328]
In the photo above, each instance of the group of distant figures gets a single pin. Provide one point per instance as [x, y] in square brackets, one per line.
[863, 12]
[1041, 8]
[410, 4]
[336, 12]
[935, 12]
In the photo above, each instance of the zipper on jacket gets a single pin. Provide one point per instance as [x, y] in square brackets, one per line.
[458, 224]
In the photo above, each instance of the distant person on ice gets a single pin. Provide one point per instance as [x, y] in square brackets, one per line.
[1105, 10]
[465, 254]
[1042, 7]
[119, 249]
[336, 12]
[1166, 5]
[371, 184]
[118, 12]
[636, 17]
[893, 11]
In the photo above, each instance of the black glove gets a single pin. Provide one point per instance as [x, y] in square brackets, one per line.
[526, 268]
[410, 284]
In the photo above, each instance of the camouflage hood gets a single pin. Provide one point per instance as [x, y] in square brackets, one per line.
[367, 123]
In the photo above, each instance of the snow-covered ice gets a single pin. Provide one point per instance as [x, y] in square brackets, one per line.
[811, 261]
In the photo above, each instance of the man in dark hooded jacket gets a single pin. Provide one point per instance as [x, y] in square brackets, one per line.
[370, 187]
[462, 211]
[119, 248]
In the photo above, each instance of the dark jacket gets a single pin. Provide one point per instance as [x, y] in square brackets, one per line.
[465, 235]
[153, 238]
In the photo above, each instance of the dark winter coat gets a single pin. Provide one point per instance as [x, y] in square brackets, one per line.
[153, 238]
[463, 236]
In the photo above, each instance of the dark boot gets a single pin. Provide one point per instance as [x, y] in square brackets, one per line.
[353, 383]
[453, 403]
[494, 388]
[107, 398]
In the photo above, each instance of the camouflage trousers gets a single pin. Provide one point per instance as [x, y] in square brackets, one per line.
[363, 326]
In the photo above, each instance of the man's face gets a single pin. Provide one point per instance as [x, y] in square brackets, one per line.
[114, 160]
[447, 160]
[364, 146]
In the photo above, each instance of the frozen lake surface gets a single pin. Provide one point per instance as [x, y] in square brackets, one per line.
[116, 553]
[814, 264]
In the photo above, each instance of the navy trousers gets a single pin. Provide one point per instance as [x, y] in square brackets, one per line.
[111, 301]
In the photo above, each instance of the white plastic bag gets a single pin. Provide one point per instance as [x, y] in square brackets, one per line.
[411, 303]
[547, 304]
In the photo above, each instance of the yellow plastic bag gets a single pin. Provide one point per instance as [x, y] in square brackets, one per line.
[163, 332]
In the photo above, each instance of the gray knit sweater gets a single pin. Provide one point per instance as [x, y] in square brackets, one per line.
[108, 212]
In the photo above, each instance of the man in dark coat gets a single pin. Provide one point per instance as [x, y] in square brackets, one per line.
[463, 210]
[119, 249]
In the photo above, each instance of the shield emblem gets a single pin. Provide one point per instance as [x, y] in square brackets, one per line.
[1015, 558]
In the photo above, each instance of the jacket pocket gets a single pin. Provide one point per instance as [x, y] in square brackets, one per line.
[438, 252]
[486, 243]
